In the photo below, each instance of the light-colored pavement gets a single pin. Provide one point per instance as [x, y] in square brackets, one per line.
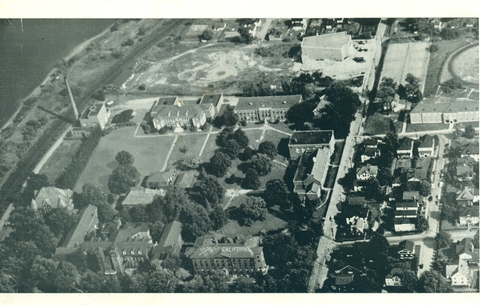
[42, 162]
[169, 153]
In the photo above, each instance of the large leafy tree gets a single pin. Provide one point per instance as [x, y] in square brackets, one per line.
[443, 240]
[433, 282]
[124, 158]
[174, 201]
[219, 164]
[268, 148]
[43, 273]
[195, 221]
[34, 183]
[210, 189]
[65, 277]
[123, 178]
[218, 217]
[252, 209]
[276, 193]
[261, 164]
[251, 180]
[241, 137]
[59, 221]
[161, 280]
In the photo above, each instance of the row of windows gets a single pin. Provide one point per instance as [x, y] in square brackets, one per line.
[233, 270]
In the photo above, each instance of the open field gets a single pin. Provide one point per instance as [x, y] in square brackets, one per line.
[404, 58]
[222, 67]
[232, 228]
[465, 65]
[377, 124]
[60, 159]
[149, 154]
[190, 143]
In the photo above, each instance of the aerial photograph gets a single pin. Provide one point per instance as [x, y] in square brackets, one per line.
[247, 155]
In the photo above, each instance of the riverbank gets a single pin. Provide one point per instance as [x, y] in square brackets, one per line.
[75, 51]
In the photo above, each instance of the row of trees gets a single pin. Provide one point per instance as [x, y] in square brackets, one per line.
[72, 172]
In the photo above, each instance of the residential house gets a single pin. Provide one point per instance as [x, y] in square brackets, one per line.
[421, 172]
[335, 47]
[427, 146]
[471, 22]
[311, 174]
[299, 24]
[86, 224]
[345, 278]
[405, 224]
[48, 198]
[265, 108]
[159, 180]
[463, 171]
[406, 249]
[437, 23]
[471, 150]
[185, 179]
[358, 225]
[139, 196]
[171, 239]
[468, 215]
[366, 172]
[463, 272]
[95, 115]
[234, 256]
[394, 278]
[467, 197]
[310, 140]
[369, 153]
[405, 148]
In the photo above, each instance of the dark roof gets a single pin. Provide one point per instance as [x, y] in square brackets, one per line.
[80, 230]
[406, 204]
[426, 141]
[405, 144]
[276, 102]
[405, 220]
[405, 213]
[211, 98]
[471, 149]
[311, 137]
[471, 211]
[170, 235]
[407, 245]
[465, 246]
[344, 279]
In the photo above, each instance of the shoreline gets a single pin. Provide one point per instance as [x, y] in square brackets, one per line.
[75, 51]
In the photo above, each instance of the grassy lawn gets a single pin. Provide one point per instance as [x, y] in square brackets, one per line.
[436, 64]
[337, 155]
[232, 228]
[254, 137]
[426, 127]
[60, 159]
[192, 143]
[377, 124]
[149, 154]
[331, 176]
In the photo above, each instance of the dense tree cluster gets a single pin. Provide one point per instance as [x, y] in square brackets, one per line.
[123, 178]
[411, 91]
[73, 171]
[124, 158]
[227, 118]
[252, 209]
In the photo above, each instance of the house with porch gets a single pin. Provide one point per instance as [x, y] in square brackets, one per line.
[406, 249]
[405, 148]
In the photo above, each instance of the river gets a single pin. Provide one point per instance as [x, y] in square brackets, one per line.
[29, 50]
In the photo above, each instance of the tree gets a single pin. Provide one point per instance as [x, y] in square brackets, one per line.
[384, 176]
[106, 212]
[161, 281]
[301, 113]
[268, 148]
[251, 180]
[373, 189]
[276, 193]
[432, 281]
[210, 189]
[245, 35]
[43, 273]
[248, 153]
[443, 240]
[475, 240]
[195, 221]
[206, 35]
[123, 178]
[449, 213]
[261, 164]
[59, 221]
[434, 48]
[65, 277]
[218, 217]
[219, 164]
[34, 183]
[124, 158]
[227, 118]
[241, 137]
[449, 33]
[156, 230]
[425, 188]
[174, 201]
[469, 132]
[232, 149]
[409, 281]
[252, 209]
[91, 194]
[422, 223]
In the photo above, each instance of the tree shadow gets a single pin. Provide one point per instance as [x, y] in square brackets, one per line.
[282, 147]
[429, 242]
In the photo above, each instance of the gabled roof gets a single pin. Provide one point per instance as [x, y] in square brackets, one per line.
[371, 170]
[407, 245]
[54, 197]
[87, 218]
[395, 272]
[132, 232]
[427, 141]
[211, 98]
[370, 151]
[465, 246]
[405, 213]
[405, 144]
[471, 149]
[466, 194]
[464, 169]
[470, 211]
[171, 234]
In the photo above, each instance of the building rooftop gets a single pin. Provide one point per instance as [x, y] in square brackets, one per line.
[405, 220]
[410, 195]
[405, 144]
[372, 170]
[185, 111]
[471, 149]
[54, 197]
[312, 165]
[171, 234]
[406, 204]
[407, 245]
[132, 232]
[79, 231]
[311, 137]
[327, 41]
[426, 141]
[274, 102]
[141, 196]
[211, 98]
[214, 245]
[405, 213]
[467, 194]
[430, 108]
[469, 211]
[462, 106]
[92, 110]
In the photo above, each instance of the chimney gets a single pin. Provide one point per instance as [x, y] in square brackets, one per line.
[74, 106]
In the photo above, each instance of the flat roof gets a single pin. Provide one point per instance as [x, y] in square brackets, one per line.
[175, 111]
[211, 98]
[430, 107]
[311, 137]
[280, 101]
[452, 106]
[327, 41]
[462, 106]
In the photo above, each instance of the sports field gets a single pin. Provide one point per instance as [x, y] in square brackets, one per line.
[404, 58]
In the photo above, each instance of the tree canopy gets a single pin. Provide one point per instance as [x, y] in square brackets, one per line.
[268, 148]
[252, 209]
[219, 164]
[276, 193]
[124, 158]
[261, 164]
[123, 178]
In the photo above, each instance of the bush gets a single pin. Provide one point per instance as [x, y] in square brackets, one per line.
[123, 117]
[434, 48]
